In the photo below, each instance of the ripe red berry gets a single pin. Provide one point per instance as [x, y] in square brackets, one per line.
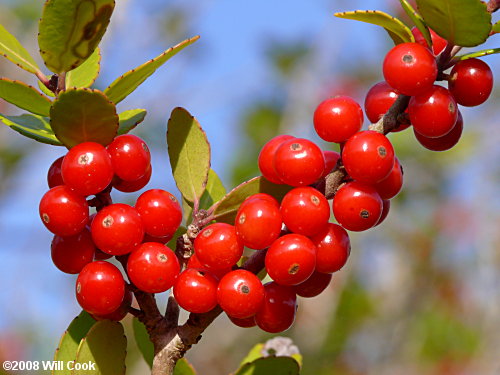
[438, 43]
[243, 323]
[194, 262]
[261, 196]
[196, 290]
[332, 248]
[336, 119]
[218, 247]
[331, 158]
[130, 157]
[368, 156]
[357, 206]
[299, 162]
[240, 294]
[314, 285]
[305, 211]
[63, 211]
[121, 312]
[410, 68]
[153, 267]
[100, 288]
[100, 255]
[71, 254]
[87, 168]
[160, 211]
[131, 186]
[266, 158]
[277, 313]
[258, 222]
[433, 113]
[390, 186]
[386, 206]
[471, 82]
[445, 142]
[117, 229]
[291, 259]
[54, 175]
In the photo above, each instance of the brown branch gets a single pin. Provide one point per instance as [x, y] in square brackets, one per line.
[493, 6]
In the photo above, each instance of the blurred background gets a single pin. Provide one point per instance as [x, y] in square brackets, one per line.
[420, 293]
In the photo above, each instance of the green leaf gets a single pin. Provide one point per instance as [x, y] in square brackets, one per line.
[106, 346]
[398, 31]
[45, 90]
[127, 83]
[189, 153]
[225, 210]
[83, 115]
[270, 365]
[130, 119]
[32, 126]
[253, 354]
[214, 190]
[484, 52]
[496, 27]
[172, 244]
[70, 31]
[24, 96]
[418, 21]
[142, 340]
[465, 23]
[183, 367]
[86, 74]
[70, 340]
[11, 49]
[187, 210]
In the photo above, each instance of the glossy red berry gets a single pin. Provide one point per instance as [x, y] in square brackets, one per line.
[258, 222]
[194, 262]
[100, 255]
[277, 313]
[130, 157]
[240, 294]
[131, 186]
[196, 290]
[121, 312]
[162, 240]
[266, 158]
[391, 185]
[160, 211]
[331, 158]
[87, 168]
[261, 196]
[336, 119]
[64, 212]
[357, 206]
[291, 259]
[333, 248]
[438, 43]
[368, 156]
[71, 254]
[218, 247]
[305, 211]
[445, 142]
[410, 68]
[299, 162]
[153, 267]
[117, 229]
[100, 288]
[471, 82]
[243, 323]
[433, 113]
[386, 206]
[54, 175]
[314, 285]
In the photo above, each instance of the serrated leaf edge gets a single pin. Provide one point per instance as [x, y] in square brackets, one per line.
[31, 87]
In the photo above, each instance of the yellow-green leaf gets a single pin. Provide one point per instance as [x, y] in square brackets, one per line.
[45, 90]
[397, 30]
[214, 190]
[183, 367]
[130, 119]
[418, 21]
[496, 27]
[271, 365]
[70, 31]
[24, 96]
[143, 342]
[121, 87]
[32, 126]
[11, 49]
[484, 52]
[86, 74]
[189, 153]
[83, 115]
[172, 244]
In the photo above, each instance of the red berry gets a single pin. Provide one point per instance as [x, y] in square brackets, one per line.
[54, 175]
[277, 313]
[240, 294]
[100, 288]
[390, 186]
[410, 68]
[332, 248]
[117, 229]
[218, 247]
[153, 267]
[258, 223]
[445, 142]
[160, 211]
[357, 206]
[243, 323]
[194, 262]
[305, 211]
[299, 162]
[63, 211]
[196, 290]
[433, 113]
[291, 259]
[131, 186]
[438, 43]
[386, 205]
[87, 168]
[331, 158]
[266, 158]
[71, 254]
[162, 240]
[368, 156]
[471, 82]
[261, 196]
[314, 285]
[336, 119]
[130, 157]
[121, 312]
[99, 255]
